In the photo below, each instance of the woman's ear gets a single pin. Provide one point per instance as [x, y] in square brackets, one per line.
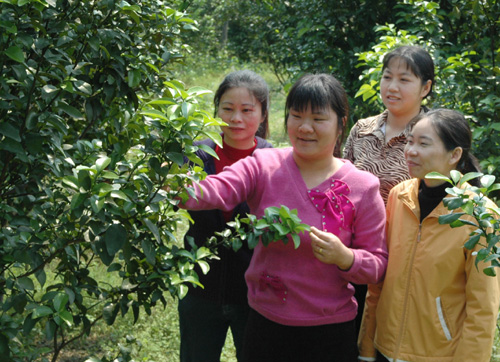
[426, 88]
[456, 155]
[344, 121]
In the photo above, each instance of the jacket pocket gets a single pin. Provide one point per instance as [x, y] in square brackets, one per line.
[442, 320]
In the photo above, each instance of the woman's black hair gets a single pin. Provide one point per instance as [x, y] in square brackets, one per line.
[454, 131]
[256, 85]
[320, 91]
[417, 60]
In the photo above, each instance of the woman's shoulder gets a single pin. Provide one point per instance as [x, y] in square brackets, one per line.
[367, 125]
[263, 143]
[356, 177]
[271, 156]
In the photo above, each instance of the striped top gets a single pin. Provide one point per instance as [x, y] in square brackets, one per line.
[367, 149]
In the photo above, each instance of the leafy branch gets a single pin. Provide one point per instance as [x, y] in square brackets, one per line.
[479, 211]
[276, 225]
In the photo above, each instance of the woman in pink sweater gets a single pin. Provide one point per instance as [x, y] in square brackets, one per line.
[302, 301]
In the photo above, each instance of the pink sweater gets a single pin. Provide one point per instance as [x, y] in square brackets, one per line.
[290, 286]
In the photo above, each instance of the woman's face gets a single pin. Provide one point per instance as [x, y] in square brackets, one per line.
[243, 114]
[313, 133]
[401, 90]
[425, 152]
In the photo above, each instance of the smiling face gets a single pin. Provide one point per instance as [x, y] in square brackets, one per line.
[243, 114]
[425, 152]
[313, 133]
[401, 90]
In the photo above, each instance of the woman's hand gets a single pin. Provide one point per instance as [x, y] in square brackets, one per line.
[328, 249]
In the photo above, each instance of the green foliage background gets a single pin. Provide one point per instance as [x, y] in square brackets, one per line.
[100, 103]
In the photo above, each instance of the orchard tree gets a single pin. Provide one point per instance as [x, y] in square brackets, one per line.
[92, 126]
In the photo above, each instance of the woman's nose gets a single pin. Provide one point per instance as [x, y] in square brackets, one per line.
[305, 126]
[410, 150]
[392, 85]
[236, 116]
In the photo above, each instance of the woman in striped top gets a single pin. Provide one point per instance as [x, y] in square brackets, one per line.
[376, 144]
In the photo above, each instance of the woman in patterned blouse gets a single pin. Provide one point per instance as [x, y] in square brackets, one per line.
[376, 144]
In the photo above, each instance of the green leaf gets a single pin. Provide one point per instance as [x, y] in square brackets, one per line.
[454, 202]
[41, 311]
[15, 53]
[102, 163]
[449, 218]
[10, 145]
[183, 290]
[149, 251]
[282, 229]
[71, 181]
[204, 266]
[487, 180]
[4, 345]
[252, 241]
[437, 176]
[455, 176]
[67, 317]
[26, 283]
[117, 194]
[490, 271]
[203, 252]
[71, 111]
[154, 114]
[134, 78]
[83, 87]
[109, 175]
[28, 325]
[154, 229]
[102, 189]
[470, 176]
[8, 130]
[296, 240]
[209, 150]
[77, 200]
[84, 180]
[115, 237]
[109, 313]
[60, 301]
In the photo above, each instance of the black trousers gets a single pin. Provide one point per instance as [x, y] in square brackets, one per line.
[204, 325]
[266, 341]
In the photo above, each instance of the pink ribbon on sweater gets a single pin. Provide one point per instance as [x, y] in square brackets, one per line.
[334, 205]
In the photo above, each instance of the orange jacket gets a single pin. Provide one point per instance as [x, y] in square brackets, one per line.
[434, 304]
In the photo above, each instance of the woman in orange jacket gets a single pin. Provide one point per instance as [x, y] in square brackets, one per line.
[434, 304]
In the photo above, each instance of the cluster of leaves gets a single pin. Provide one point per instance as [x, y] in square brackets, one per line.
[481, 213]
[277, 224]
[92, 126]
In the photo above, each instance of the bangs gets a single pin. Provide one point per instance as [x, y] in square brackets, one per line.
[309, 94]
